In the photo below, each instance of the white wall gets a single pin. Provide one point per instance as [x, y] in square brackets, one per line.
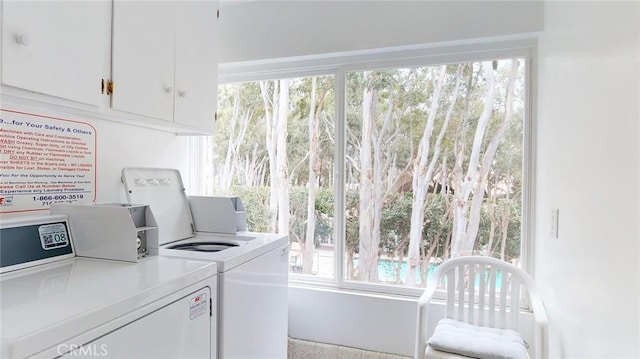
[122, 145]
[588, 167]
[275, 29]
[371, 322]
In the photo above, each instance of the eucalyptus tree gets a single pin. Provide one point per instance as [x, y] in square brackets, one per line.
[237, 148]
[426, 161]
[316, 106]
[275, 97]
[470, 185]
[370, 201]
[373, 129]
[504, 192]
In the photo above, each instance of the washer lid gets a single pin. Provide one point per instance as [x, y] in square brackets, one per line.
[162, 190]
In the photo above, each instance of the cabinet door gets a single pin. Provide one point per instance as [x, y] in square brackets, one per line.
[143, 50]
[196, 64]
[58, 48]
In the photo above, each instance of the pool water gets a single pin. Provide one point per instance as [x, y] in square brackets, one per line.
[387, 272]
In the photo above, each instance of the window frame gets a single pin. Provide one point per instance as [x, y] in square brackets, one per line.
[338, 64]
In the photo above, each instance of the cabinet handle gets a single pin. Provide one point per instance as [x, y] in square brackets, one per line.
[168, 89]
[182, 93]
[23, 39]
[106, 87]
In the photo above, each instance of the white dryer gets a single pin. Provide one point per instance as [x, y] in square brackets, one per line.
[252, 267]
[54, 304]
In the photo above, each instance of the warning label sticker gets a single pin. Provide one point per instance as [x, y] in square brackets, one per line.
[198, 305]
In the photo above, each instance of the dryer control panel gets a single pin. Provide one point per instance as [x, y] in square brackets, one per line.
[29, 241]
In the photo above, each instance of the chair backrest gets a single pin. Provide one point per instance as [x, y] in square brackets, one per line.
[483, 291]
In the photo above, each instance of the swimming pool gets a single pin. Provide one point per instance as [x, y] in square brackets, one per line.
[387, 272]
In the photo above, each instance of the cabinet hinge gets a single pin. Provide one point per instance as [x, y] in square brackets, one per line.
[210, 307]
[106, 86]
[215, 117]
[217, 14]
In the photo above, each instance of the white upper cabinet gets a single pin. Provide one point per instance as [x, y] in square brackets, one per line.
[196, 64]
[143, 51]
[161, 55]
[164, 61]
[57, 48]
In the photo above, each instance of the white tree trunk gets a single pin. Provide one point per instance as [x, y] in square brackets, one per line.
[470, 194]
[281, 153]
[270, 114]
[491, 211]
[307, 257]
[372, 180]
[368, 244]
[379, 188]
[504, 232]
[459, 244]
[237, 130]
[227, 169]
[487, 160]
[424, 168]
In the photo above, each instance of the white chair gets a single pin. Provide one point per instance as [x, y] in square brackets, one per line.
[488, 328]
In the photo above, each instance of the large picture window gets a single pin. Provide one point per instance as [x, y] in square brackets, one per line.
[380, 174]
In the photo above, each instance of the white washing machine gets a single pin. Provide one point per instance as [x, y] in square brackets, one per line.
[252, 291]
[54, 304]
[252, 267]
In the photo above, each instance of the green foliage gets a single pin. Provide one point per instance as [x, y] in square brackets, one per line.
[396, 222]
[256, 203]
[438, 221]
[506, 211]
[324, 214]
[352, 212]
